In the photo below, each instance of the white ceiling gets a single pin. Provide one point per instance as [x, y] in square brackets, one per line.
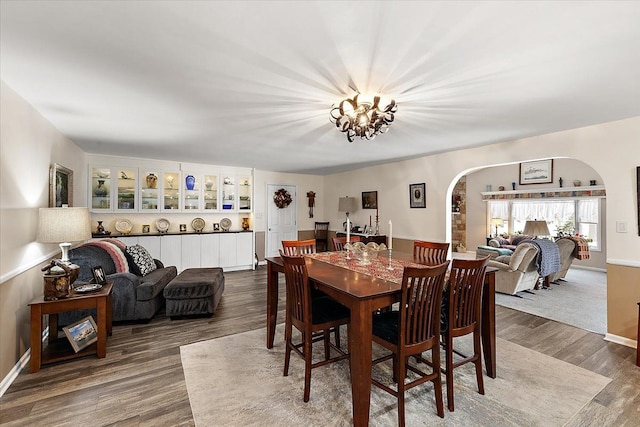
[251, 83]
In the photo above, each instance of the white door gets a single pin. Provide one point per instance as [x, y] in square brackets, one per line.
[281, 223]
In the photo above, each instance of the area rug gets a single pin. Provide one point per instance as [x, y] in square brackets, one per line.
[236, 381]
[580, 301]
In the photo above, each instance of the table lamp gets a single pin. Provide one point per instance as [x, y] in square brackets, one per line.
[347, 204]
[56, 225]
[496, 222]
[536, 228]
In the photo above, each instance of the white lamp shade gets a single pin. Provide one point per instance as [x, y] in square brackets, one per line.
[496, 221]
[536, 228]
[347, 204]
[56, 225]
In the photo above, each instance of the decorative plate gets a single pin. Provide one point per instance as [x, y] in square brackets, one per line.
[197, 224]
[162, 225]
[91, 287]
[124, 226]
[225, 224]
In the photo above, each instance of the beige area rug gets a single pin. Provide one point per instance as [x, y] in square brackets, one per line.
[237, 381]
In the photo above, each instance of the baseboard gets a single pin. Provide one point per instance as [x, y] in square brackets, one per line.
[623, 262]
[22, 363]
[621, 340]
[584, 267]
[263, 262]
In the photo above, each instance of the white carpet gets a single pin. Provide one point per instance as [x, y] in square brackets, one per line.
[237, 381]
[580, 301]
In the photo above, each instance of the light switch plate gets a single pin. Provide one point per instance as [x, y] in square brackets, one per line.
[621, 227]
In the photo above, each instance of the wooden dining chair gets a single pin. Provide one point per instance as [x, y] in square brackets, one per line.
[309, 315]
[411, 330]
[299, 247]
[462, 306]
[321, 234]
[339, 242]
[434, 251]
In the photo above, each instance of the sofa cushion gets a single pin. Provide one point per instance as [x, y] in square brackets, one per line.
[154, 283]
[142, 258]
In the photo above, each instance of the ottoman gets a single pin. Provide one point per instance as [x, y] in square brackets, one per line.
[195, 291]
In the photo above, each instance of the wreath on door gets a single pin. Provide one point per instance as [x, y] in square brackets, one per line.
[282, 198]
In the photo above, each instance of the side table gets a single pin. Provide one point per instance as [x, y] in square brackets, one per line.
[60, 349]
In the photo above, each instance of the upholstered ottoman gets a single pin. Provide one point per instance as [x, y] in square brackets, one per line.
[194, 291]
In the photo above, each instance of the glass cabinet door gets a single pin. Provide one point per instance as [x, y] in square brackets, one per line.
[191, 188]
[228, 193]
[149, 190]
[100, 188]
[244, 193]
[126, 189]
[170, 190]
[211, 192]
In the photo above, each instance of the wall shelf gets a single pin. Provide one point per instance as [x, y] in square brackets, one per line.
[546, 193]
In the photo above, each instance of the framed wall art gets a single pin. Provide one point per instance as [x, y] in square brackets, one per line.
[369, 200]
[538, 172]
[82, 333]
[60, 186]
[417, 196]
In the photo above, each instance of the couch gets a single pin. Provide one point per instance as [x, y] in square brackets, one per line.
[509, 243]
[135, 297]
[516, 272]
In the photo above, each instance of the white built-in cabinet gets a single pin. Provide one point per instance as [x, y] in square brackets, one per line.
[231, 251]
[148, 189]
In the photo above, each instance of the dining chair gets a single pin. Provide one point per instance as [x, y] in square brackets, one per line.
[309, 315]
[411, 330]
[430, 250]
[339, 242]
[299, 247]
[462, 302]
[321, 234]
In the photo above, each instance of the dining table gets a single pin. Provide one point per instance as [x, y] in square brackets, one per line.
[365, 289]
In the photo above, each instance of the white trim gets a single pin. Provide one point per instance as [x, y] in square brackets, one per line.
[263, 262]
[621, 340]
[623, 262]
[547, 190]
[21, 269]
[584, 267]
[19, 366]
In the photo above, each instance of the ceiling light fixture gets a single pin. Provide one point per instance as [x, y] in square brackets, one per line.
[363, 119]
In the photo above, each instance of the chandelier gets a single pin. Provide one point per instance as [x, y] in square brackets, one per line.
[363, 119]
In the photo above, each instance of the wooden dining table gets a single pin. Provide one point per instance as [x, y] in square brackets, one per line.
[363, 294]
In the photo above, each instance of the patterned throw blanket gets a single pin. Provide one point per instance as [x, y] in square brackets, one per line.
[114, 248]
[581, 251]
[548, 259]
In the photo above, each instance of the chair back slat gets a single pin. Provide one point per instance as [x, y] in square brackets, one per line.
[297, 282]
[339, 242]
[465, 292]
[299, 247]
[420, 303]
[430, 251]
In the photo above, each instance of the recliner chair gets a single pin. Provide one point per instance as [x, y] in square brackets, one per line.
[566, 248]
[516, 272]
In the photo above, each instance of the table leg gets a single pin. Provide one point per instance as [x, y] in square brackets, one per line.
[109, 315]
[102, 327]
[36, 338]
[272, 303]
[489, 323]
[360, 342]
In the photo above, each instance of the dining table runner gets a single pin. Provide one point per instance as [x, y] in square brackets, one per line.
[377, 268]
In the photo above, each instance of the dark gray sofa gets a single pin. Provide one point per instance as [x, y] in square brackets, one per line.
[134, 297]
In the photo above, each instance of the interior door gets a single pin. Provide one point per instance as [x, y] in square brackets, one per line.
[281, 223]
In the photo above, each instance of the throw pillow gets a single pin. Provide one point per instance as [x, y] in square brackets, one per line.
[142, 258]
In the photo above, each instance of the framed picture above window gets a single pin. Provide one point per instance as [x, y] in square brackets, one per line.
[369, 200]
[417, 196]
[538, 172]
[60, 186]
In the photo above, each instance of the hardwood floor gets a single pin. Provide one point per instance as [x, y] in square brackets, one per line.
[140, 382]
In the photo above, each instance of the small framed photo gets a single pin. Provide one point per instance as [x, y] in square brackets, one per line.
[538, 172]
[417, 196]
[183, 227]
[60, 186]
[216, 226]
[82, 333]
[369, 200]
[98, 275]
[146, 228]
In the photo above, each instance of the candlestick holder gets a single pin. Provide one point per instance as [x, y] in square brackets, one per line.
[390, 267]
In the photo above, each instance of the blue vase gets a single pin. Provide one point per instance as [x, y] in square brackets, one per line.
[190, 181]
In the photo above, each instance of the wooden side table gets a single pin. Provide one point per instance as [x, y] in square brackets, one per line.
[60, 349]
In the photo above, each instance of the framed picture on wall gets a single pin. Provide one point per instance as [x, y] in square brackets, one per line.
[369, 200]
[538, 172]
[417, 196]
[60, 186]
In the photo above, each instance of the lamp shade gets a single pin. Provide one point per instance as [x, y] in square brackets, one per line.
[57, 225]
[536, 228]
[347, 204]
[496, 221]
